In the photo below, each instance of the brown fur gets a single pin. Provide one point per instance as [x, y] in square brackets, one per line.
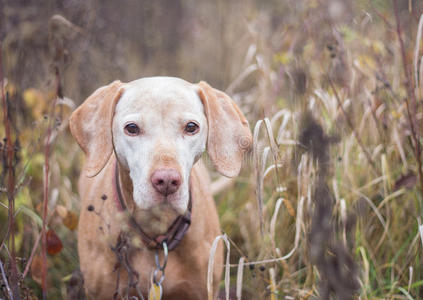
[186, 273]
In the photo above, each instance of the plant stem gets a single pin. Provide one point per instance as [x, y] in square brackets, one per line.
[46, 182]
[3, 274]
[410, 95]
[9, 146]
[31, 257]
[351, 125]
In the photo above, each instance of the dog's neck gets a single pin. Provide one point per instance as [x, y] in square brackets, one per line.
[154, 221]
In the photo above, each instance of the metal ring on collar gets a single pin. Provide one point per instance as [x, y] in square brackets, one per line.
[165, 254]
[155, 281]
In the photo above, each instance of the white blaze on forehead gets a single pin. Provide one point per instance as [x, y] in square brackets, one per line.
[161, 107]
[161, 91]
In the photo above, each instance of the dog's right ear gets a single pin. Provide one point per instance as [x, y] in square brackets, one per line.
[91, 126]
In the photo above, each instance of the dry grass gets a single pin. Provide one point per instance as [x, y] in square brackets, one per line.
[329, 203]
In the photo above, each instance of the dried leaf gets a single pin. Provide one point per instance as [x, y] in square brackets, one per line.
[39, 208]
[54, 244]
[408, 181]
[36, 268]
[71, 220]
[62, 211]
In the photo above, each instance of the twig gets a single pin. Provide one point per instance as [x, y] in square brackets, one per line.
[34, 250]
[5, 280]
[351, 125]
[410, 95]
[3, 274]
[9, 148]
[121, 251]
[299, 217]
[46, 183]
[380, 15]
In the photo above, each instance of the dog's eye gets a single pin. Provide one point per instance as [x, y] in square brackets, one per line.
[132, 129]
[191, 128]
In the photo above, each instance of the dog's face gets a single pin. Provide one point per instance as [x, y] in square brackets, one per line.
[158, 128]
[159, 132]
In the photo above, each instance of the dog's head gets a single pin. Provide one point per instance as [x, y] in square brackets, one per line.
[158, 128]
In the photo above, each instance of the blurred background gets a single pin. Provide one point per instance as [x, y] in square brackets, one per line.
[332, 90]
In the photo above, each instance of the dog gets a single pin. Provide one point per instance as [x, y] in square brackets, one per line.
[144, 185]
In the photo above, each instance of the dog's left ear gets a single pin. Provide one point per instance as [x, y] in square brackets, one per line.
[229, 135]
[91, 125]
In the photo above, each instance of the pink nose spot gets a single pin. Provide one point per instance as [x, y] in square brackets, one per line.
[166, 181]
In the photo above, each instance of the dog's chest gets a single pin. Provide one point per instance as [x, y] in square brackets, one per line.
[184, 276]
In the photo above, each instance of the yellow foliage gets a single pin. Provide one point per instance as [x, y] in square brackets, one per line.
[396, 114]
[283, 58]
[36, 101]
[378, 47]
[10, 88]
[366, 62]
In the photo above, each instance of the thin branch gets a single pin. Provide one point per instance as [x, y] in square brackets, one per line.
[351, 125]
[380, 15]
[411, 107]
[9, 148]
[46, 183]
[34, 250]
[3, 274]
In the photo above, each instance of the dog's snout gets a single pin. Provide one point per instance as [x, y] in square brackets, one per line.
[166, 181]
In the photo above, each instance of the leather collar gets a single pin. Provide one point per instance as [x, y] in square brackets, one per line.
[175, 232]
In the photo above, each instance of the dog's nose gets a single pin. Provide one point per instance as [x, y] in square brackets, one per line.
[166, 181]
